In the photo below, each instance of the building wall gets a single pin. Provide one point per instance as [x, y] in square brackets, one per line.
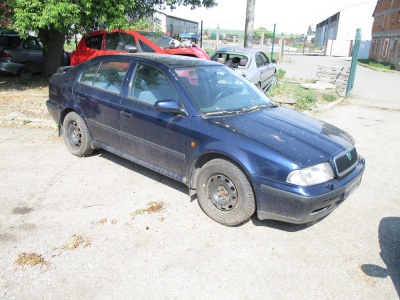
[386, 32]
[337, 33]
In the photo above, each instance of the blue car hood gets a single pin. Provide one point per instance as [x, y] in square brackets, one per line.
[303, 138]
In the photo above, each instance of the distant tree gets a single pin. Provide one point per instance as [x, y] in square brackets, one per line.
[55, 20]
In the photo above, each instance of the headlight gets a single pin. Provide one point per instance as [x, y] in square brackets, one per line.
[312, 175]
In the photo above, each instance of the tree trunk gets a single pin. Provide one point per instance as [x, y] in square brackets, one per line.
[53, 50]
[249, 26]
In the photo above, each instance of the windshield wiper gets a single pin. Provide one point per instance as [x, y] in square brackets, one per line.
[258, 107]
[223, 112]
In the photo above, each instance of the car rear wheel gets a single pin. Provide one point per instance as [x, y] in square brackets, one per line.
[224, 193]
[76, 135]
[274, 81]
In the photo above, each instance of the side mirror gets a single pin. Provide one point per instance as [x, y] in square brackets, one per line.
[131, 48]
[274, 61]
[168, 106]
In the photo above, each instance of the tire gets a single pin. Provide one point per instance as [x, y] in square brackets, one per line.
[76, 135]
[224, 193]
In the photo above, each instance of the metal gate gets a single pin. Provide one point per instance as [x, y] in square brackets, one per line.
[352, 75]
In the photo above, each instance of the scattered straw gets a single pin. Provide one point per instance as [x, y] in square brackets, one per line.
[30, 259]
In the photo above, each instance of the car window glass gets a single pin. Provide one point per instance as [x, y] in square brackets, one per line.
[31, 44]
[220, 90]
[265, 58]
[145, 47]
[94, 42]
[161, 40]
[107, 76]
[259, 60]
[151, 85]
[118, 40]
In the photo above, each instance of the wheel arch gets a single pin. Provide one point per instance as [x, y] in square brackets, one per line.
[206, 157]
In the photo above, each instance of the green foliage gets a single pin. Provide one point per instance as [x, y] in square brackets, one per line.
[377, 65]
[281, 73]
[305, 99]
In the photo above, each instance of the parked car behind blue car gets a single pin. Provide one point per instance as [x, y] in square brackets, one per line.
[253, 64]
[18, 56]
[203, 124]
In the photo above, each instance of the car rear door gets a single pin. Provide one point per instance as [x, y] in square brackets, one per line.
[158, 139]
[97, 92]
[265, 69]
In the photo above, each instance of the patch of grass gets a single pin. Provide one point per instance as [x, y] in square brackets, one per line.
[376, 65]
[306, 99]
[328, 97]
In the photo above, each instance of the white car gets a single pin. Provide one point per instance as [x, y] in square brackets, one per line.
[253, 64]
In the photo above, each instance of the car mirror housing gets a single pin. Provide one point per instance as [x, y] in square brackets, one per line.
[167, 106]
[131, 48]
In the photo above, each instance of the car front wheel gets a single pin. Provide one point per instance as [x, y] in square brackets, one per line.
[224, 193]
[76, 135]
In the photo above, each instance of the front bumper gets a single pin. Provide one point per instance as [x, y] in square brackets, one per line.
[281, 205]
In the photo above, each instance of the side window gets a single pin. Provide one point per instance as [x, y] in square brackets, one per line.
[107, 75]
[145, 47]
[265, 58]
[31, 44]
[118, 40]
[88, 75]
[94, 42]
[150, 85]
[259, 60]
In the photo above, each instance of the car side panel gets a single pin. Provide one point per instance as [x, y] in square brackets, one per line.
[102, 111]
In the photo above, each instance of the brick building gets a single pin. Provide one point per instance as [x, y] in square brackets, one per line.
[386, 32]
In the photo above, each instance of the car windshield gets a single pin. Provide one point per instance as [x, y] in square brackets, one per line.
[217, 90]
[159, 39]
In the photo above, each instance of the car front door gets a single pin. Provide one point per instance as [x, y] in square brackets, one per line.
[265, 69]
[97, 92]
[156, 139]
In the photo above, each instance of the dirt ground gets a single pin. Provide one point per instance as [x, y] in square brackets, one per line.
[21, 98]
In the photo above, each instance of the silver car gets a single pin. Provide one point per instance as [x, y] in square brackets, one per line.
[22, 55]
[252, 64]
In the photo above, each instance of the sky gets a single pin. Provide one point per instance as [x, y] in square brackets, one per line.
[293, 16]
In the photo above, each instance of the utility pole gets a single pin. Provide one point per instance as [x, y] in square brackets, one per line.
[249, 26]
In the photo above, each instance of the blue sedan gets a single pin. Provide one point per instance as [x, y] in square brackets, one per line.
[201, 123]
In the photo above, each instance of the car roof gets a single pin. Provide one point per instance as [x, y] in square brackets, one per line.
[237, 50]
[165, 59]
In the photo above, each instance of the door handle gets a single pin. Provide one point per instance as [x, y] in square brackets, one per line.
[126, 113]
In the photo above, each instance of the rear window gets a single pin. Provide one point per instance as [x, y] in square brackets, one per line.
[9, 41]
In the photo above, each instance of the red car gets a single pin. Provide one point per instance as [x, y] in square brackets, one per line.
[121, 41]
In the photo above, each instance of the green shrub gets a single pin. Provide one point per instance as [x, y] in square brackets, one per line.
[377, 65]
[305, 99]
[281, 73]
